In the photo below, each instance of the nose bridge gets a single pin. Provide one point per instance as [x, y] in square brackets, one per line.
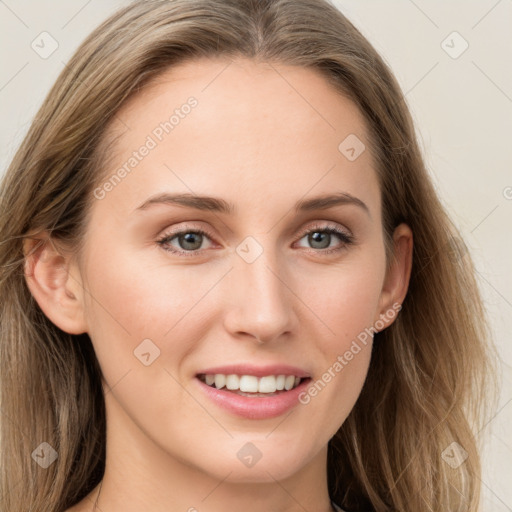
[261, 300]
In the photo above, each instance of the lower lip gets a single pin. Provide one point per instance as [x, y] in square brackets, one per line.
[254, 408]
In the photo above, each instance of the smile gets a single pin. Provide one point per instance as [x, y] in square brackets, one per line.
[253, 392]
[250, 385]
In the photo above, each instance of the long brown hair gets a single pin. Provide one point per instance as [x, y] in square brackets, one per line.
[429, 375]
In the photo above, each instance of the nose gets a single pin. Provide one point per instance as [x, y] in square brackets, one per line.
[261, 301]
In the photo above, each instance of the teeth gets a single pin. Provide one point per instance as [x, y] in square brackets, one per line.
[267, 384]
[249, 383]
[289, 382]
[252, 384]
[233, 382]
[220, 380]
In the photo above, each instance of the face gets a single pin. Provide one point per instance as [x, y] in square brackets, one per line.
[260, 281]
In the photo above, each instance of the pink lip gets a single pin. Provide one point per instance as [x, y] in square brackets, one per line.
[254, 408]
[257, 371]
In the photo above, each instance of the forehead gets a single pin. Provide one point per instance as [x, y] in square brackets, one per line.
[216, 126]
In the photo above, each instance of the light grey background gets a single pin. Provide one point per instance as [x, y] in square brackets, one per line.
[462, 107]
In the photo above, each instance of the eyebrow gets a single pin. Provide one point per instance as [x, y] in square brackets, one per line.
[218, 205]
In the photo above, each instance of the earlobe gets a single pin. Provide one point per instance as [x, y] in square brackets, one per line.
[396, 282]
[50, 279]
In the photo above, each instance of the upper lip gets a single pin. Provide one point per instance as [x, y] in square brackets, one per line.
[257, 371]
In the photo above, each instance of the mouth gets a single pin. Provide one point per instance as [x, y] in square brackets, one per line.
[251, 385]
[253, 392]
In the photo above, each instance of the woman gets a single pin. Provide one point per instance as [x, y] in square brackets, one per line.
[173, 338]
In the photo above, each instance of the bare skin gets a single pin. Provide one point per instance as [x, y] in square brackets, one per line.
[262, 143]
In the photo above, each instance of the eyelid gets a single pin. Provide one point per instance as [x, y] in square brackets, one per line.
[326, 225]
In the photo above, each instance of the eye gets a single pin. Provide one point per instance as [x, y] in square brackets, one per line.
[321, 236]
[188, 241]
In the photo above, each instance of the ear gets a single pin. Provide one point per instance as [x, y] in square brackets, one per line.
[396, 281]
[55, 283]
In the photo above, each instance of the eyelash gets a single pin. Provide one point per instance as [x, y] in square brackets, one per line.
[347, 239]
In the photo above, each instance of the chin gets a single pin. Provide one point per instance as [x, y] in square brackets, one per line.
[253, 462]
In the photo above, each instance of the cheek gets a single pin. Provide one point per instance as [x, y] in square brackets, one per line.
[346, 304]
[126, 304]
[138, 293]
[344, 299]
